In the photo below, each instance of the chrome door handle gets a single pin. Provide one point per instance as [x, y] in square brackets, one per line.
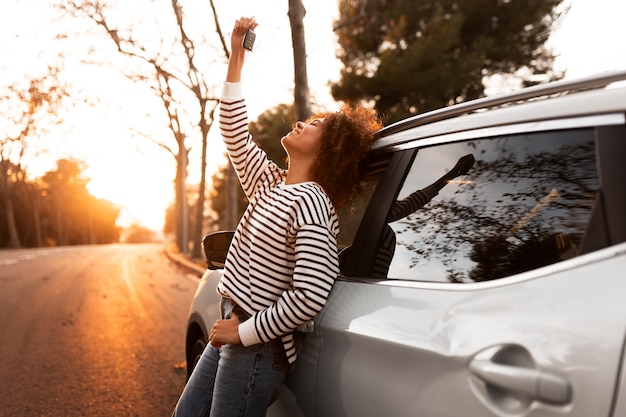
[540, 385]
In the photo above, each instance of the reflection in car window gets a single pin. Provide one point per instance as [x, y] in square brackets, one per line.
[350, 215]
[524, 204]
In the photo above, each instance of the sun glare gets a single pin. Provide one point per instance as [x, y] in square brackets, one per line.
[142, 198]
[130, 172]
[141, 185]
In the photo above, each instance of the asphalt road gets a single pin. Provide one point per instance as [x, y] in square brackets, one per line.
[92, 331]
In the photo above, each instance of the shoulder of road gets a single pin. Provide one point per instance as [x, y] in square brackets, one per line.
[185, 261]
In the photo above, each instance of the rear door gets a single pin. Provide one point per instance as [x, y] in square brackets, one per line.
[502, 296]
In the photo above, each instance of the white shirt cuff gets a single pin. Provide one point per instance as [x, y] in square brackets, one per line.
[247, 333]
[232, 90]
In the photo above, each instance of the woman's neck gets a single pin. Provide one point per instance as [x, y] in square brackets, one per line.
[295, 176]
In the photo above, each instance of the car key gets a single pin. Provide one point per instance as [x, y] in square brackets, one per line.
[248, 40]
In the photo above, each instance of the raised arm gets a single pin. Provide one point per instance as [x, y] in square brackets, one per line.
[418, 199]
[238, 52]
[250, 161]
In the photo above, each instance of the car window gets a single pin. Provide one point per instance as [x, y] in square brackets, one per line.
[351, 214]
[525, 203]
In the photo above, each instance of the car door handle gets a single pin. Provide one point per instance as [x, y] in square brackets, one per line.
[540, 385]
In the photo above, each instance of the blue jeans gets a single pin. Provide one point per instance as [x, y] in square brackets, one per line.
[234, 381]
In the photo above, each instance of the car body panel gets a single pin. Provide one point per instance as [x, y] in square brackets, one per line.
[203, 312]
[406, 350]
[206, 300]
[619, 408]
[606, 119]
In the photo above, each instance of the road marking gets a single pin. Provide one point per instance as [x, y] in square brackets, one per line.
[131, 288]
[32, 255]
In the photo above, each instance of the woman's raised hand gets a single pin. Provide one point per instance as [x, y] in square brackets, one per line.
[238, 52]
[239, 31]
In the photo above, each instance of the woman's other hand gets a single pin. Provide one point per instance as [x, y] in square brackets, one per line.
[225, 332]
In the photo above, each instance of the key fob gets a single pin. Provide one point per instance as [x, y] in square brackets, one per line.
[248, 40]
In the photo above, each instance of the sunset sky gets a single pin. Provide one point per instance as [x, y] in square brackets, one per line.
[138, 176]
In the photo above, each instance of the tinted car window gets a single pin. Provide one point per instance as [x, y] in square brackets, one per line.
[350, 215]
[525, 203]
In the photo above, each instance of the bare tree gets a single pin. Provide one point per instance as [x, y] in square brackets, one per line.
[29, 108]
[172, 72]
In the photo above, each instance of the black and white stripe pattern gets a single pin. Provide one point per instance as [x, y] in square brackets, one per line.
[283, 259]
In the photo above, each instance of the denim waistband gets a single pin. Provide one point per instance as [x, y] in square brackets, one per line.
[228, 306]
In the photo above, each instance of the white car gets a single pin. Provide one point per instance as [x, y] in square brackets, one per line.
[503, 296]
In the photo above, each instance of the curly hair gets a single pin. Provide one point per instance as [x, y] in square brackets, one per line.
[340, 162]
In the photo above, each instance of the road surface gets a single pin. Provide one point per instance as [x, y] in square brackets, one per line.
[92, 331]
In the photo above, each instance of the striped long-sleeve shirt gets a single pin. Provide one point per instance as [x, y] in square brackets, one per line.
[283, 261]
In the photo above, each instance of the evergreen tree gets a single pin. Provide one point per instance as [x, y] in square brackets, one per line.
[409, 57]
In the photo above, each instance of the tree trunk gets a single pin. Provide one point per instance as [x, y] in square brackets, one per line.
[301, 87]
[181, 204]
[10, 219]
[37, 220]
[198, 228]
[178, 200]
[231, 204]
[61, 229]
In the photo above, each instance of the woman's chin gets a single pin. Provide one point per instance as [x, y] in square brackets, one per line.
[286, 138]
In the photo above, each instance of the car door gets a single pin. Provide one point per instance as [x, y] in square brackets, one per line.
[503, 296]
[539, 345]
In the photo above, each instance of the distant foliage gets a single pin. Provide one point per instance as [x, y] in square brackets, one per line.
[29, 108]
[407, 57]
[56, 209]
[139, 234]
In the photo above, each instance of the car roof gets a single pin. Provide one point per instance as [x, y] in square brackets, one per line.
[557, 100]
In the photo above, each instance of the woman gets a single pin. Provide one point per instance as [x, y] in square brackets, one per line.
[283, 258]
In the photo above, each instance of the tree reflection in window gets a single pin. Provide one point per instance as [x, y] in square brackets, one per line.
[525, 204]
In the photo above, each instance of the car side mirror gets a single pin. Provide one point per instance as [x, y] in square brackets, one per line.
[216, 246]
